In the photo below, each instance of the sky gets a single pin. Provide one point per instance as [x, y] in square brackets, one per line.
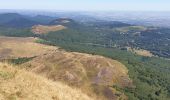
[87, 5]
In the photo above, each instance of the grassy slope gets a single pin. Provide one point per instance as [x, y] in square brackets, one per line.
[18, 84]
[70, 68]
[42, 29]
[94, 75]
[150, 75]
[21, 47]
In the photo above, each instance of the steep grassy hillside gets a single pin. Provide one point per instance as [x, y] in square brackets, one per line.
[150, 75]
[94, 75]
[21, 85]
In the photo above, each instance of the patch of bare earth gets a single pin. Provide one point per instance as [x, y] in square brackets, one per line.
[143, 53]
[140, 52]
[42, 29]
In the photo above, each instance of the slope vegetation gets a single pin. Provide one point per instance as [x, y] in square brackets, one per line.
[15, 47]
[94, 75]
[21, 85]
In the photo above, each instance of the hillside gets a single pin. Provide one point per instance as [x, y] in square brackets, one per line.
[94, 75]
[20, 23]
[42, 29]
[150, 74]
[6, 17]
[22, 85]
[15, 47]
[16, 20]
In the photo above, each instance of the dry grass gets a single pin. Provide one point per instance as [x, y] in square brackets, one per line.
[11, 47]
[90, 73]
[41, 29]
[21, 85]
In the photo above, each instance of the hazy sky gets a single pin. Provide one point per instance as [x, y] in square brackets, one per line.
[88, 5]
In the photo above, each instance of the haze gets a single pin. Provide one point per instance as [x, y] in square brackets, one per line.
[87, 5]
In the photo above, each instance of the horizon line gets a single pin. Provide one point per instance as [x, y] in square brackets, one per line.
[55, 10]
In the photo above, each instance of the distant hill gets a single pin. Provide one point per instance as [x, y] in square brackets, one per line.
[64, 21]
[110, 24]
[43, 19]
[17, 20]
[44, 29]
[8, 17]
[20, 22]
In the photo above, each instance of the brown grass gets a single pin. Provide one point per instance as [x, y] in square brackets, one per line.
[21, 85]
[90, 73]
[41, 29]
[11, 47]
